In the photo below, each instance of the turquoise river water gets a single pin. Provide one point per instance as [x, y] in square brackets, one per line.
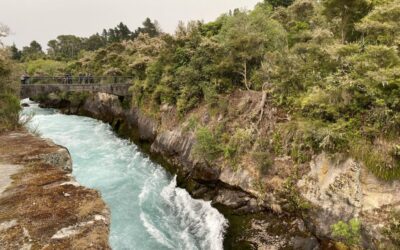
[148, 211]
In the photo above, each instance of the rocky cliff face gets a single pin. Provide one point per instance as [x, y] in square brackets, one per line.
[341, 189]
[176, 148]
[320, 194]
[41, 204]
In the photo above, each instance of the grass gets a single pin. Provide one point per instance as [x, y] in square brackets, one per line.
[393, 229]
[380, 163]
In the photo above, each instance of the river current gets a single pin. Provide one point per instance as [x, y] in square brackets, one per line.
[148, 211]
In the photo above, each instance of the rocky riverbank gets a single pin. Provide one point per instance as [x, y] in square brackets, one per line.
[41, 204]
[308, 199]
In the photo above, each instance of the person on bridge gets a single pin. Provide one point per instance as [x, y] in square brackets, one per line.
[91, 79]
[25, 78]
[81, 78]
[67, 78]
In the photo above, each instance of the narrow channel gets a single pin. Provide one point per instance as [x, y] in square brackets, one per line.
[148, 211]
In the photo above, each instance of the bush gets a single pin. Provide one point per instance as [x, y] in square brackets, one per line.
[44, 67]
[191, 124]
[189, 98]
[207, 145]
[295, 203]
[239, 142]
[349, 233]
[383, 165]
[9, 102]
[9, 112]
[393, 229]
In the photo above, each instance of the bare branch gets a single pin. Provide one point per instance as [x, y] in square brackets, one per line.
[4, 30]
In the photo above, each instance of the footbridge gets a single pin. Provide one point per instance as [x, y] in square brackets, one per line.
[33, 87]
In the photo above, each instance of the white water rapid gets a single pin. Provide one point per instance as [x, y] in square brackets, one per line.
[148, 211]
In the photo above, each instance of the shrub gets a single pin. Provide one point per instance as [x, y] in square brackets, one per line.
[303, 139]
[238, 144]
[393, 229]
[207, 145]
[9, 102]
[188, 99]
[349, 233]
[9, 112]
[382, 165]
[44, 67]
[163, 94]
[192, 124]
[295, 203]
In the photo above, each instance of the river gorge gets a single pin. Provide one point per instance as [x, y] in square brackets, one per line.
[148, 211]
[151, 208]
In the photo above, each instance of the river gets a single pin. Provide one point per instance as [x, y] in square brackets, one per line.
[148, 211]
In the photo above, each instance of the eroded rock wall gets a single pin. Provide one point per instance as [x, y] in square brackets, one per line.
[341, 189]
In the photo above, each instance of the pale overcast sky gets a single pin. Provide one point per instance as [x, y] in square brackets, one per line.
[43, 20]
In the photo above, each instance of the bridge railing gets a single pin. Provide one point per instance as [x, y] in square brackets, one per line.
[77, 80]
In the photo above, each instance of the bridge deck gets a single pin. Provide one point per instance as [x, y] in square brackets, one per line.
[32, 90]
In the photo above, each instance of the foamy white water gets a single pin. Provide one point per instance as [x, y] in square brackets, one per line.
[148, 211]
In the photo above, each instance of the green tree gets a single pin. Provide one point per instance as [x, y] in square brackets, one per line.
[123, 32]
[32, 52]
[277, 3]
[94, 42]
[65, 47]
[149, 27]
[16, 54]
[247, 37]
[381, 24]
[348, 12]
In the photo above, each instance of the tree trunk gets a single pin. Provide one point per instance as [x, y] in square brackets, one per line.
[261, 106]
[244, 74]
[343, 26]
[263, 101]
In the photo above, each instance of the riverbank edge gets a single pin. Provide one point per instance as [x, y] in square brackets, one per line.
[42, 205]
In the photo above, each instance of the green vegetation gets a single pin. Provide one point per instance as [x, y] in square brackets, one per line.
[43, 67]
[207, 145]
[393, 230]
[9, 103]
[238, 144]
[69, 47]
[294, 202]
[349, 233]
[331, 66]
